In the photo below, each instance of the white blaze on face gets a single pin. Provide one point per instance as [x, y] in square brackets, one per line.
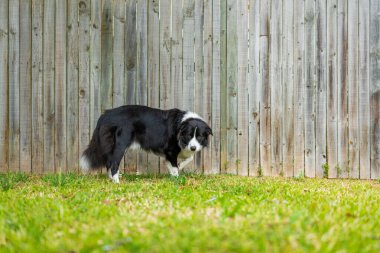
[194, 145]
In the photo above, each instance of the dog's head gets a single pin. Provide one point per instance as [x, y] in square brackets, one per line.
[193, 135]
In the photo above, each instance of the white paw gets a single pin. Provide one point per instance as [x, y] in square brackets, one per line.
[174, 173]
[115, 178]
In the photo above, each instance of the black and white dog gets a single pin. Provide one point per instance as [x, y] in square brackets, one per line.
[173, 134]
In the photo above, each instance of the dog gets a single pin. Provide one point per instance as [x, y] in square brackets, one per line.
[173, 134]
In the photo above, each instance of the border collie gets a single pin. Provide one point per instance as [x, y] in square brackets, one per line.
[173, 134]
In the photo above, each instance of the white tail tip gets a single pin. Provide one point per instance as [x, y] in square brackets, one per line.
[84, 163]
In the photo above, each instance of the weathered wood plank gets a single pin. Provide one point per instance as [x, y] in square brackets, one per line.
[265, 124]
[4, 126]
[216, 87]
[142, 69]
[254, 88]
[188, 55]
[199, 89]
[232, 70]
[37, 88]
[84, 74]
[332, 89]
[25, 86]
[121, 51]
[288, 87]
[207, 79]
[320, 89]
[14, 85]
[276, 92]
[353, 92]
[60, 87]
[165, 52]
[374, 41]
[342, 90]
[48, 83]
[299, 89]
[130, 70]
[309, 88]
[223, 86]
[242, 87]
[176, 55]
[106, 54]
[364, 109]
[153, 70]
[95, 63]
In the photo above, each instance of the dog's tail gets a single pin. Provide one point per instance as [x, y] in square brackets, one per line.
[101, 144]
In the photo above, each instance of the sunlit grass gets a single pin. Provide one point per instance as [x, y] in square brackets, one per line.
[76, 213]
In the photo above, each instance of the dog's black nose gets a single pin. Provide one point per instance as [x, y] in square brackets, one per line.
[193, 148]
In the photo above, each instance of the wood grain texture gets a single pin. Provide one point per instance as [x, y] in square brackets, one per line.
[320, 89]
[343, 142]
[14, 85]
[60, 86]
[299, 90]
[232, 72]
[254, 88]
[223, 86]
[374, 60]
[332, 89]
[364, 109]
[153, 71]
[242, 88]
[48, 83]
[310, 20]
[26, 86]
[120, 58]
[265, 110]
[288, 87]
[216, 87]
[176, 55]
[276, 92]
[37, 88]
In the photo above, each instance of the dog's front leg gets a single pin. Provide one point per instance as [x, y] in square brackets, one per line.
[185, 162]
[173, 170]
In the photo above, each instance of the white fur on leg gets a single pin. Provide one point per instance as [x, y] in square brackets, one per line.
[172, 170]
[109, 173]
[185, 162]
[115, 178]
[84, 164]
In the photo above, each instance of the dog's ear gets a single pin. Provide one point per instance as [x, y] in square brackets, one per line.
[209, 131]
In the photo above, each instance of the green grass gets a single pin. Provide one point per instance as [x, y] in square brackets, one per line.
[73, 213]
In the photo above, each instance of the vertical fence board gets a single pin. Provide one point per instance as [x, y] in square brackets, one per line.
[342, 90]
[215, 105]
[14, 85]
[320, 89]
[37, 88]
[353, 93]
[176, 55]
[207, 80]
[4, 85]
[120, 47]
[265, 133]
[25, 86]
[60, 86]
[153, 70]
[48, 83]
[95, 63]
[288, 86]
[223, 86]
[375, 87]
[242, 87]
[332, 89]
[84, 73]
[254, 88]
[309, 89]
[232, 62]
[142, 74]
[276, 96]
[363, 79]
[199, 90]
[299, 94]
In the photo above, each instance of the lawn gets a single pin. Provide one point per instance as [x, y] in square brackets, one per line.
[75, 213]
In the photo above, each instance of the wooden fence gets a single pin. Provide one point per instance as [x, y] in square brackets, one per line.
[290, 87]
